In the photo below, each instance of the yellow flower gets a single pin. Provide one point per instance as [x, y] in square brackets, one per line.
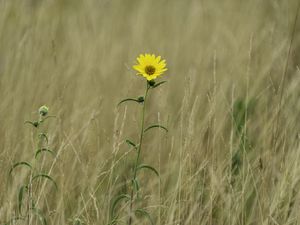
[150, 66]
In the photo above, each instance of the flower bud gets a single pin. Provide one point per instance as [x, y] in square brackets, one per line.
[43, 110]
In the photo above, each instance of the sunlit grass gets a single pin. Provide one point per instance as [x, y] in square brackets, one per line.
[231, 106]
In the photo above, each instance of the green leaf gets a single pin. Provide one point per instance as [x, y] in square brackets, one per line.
[20, 197]
[46, 177]
[20, 164]
[130, 99]
[131, 143]
[144, 166]
[35, 123]
[158, 84]
[156, 126]
[146, 214]
[41, 150]
[40, 215]
[135, 184]
[116, 201]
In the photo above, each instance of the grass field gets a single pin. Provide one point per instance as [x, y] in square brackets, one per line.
[231, 105]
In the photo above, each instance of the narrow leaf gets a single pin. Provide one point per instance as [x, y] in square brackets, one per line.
[158, 84]
[35, 123]
[146, 214]
[131, 143]
[46, 177]
[129, 99]
[20, 164]
[144, 166]
[41, 150]
[136, 184]
[156, 126]
[116, 201]
[20, 197]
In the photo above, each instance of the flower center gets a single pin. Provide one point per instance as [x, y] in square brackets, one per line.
[150, 70]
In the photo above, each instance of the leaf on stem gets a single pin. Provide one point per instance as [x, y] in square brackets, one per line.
[158, 84]
[139, 100]
[145, 166]
[41, 175]
[26, 164]
[116, 202]
[41, 150]
[34, 123]
[21, 196]
[156, 126]
[131, 143]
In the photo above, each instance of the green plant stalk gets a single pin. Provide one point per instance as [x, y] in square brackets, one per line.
[139, 149]
[29, 199]
[30, 191]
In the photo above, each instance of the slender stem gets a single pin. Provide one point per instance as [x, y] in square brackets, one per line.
[30, 188]
[142, 132]
[138, 150]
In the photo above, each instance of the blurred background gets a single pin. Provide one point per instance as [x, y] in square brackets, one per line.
[231, 103]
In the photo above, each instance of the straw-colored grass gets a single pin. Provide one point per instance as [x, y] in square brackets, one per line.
[231, 105]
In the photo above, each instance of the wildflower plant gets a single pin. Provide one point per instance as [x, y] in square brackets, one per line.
[150, 67]
[28, 195]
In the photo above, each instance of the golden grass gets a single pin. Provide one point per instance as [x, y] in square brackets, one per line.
[228, 101]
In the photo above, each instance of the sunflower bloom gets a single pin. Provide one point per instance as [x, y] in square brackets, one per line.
[150, 66]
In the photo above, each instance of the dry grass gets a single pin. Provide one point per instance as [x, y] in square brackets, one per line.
[228, 101]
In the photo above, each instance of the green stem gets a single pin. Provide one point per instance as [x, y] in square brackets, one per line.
[138, 150]
[30, 188]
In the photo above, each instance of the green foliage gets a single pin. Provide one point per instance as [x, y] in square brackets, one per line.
[156, 126]
[138, 100]
[45, 176]
[155, 85]
[131, 143]
[116, 201]
[144, 166]
[242, 111]
[135, 191]
[136, 185]
[41, 150]
[26, 192]
[26, 164]
[22, 191]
